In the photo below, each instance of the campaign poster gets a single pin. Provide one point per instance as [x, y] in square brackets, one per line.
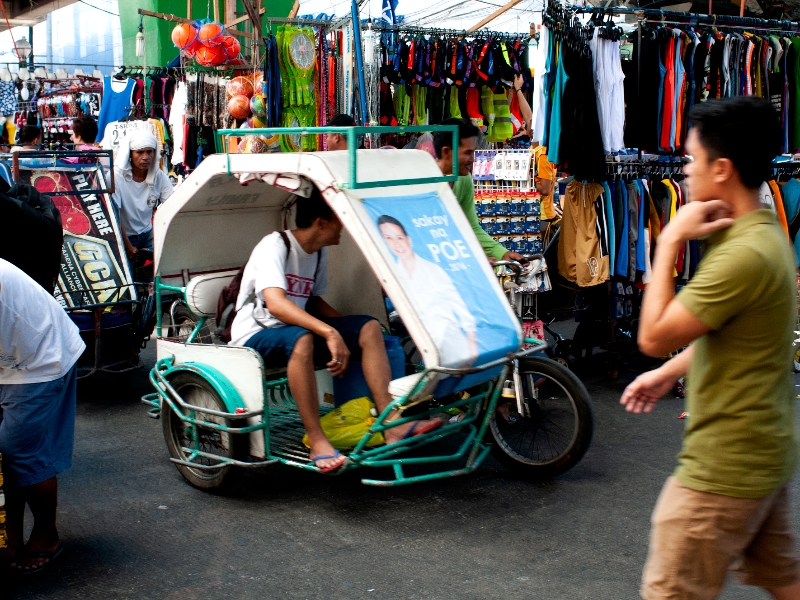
[444, 280]
[94, 267]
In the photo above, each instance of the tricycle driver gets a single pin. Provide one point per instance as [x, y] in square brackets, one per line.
[282, 315]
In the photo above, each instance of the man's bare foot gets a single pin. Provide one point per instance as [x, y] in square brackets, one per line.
[326, 458]
[395, 434]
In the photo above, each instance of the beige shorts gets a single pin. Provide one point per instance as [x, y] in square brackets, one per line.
[696, 537]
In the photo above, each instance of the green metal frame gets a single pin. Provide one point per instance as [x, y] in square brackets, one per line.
[276, 392]
[352, 134]
[472, 449]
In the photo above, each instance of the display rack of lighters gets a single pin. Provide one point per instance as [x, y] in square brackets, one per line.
[506, 200]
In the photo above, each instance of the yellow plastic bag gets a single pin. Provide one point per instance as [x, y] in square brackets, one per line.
[346, 425]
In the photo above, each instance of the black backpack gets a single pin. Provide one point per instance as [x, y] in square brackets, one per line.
[32, 234]
[226, 304]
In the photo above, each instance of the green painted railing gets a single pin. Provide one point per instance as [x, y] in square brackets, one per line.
[352, 133]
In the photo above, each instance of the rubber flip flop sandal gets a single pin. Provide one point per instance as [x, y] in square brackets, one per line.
[414, 432]
[336, 454]
[50, 556]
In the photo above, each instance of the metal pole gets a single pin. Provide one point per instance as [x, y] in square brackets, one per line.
[639, 72]
[359, 61]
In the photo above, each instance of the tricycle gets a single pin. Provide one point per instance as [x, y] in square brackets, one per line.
[104, 295]
[222, 411]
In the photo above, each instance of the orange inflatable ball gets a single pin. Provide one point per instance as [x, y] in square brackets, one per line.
[210, 56]
[258, 81]
[232, 46]
[240, 86]
[239, 107]
[211, 33]
[184, 35]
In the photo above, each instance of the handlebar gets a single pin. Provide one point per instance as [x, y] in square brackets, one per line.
[518, 268]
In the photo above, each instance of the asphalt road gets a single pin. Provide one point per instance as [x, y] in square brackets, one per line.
[133, 528]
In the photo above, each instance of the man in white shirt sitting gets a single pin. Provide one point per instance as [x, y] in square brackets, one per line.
[140, 187]
[282, 315]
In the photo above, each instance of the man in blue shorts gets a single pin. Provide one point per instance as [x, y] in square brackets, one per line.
[282, 315]
[39, 349]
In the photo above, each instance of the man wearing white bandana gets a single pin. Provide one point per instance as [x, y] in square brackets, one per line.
[140, 187]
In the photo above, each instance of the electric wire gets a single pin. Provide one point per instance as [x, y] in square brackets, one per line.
[98, 8]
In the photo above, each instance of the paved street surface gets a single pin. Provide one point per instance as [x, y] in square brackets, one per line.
[133, 528]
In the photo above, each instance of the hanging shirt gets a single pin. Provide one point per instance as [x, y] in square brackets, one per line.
[612, 234]
[549, 85]
[545, 171]
[680, 75]
[633, 227]
[117, 97]
[621, 266]
[554, 137]
[539, 78]
[668, 106]
[177, 119]
[793, 68]
[643, 209]
[790, 191]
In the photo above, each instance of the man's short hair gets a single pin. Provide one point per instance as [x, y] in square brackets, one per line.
[386, 219]
[342, 121]
[745, 130]
[312, 208]
[85, 128]
[28, 134]
[441, 139]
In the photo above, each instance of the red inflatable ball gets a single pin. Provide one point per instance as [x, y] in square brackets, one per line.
[191, 50]
[232, 46]
[184, 35]
[239, 107]
[240, 86]
[210, 56]
[211, 33]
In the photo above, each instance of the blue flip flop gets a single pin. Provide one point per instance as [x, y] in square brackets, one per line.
[50, 556]
[336, 454]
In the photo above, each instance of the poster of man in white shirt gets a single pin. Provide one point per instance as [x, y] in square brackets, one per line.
[441, 308]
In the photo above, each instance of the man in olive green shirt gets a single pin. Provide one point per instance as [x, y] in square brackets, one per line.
[463, 188]
[726, 506]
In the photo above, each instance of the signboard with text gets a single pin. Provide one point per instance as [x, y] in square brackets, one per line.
[94, 267]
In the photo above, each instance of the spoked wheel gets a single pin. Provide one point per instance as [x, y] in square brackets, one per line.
[556, 428]
[184, 324]
[178, 434]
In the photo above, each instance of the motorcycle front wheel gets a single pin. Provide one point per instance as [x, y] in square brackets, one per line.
[554, 429]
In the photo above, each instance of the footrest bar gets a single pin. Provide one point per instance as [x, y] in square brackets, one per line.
[430, 477]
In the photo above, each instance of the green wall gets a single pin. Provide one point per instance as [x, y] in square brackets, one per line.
[159, 49]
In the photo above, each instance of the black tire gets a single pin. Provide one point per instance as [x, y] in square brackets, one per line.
[184, 324]
[196, 391]
[556, 431]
